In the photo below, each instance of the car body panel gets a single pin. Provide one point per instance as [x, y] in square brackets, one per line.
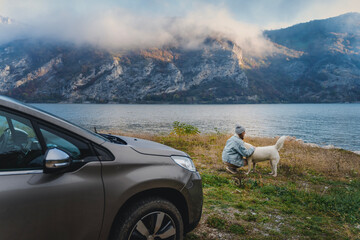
[150, 147]
[194, 197]
[52, 206]
[131, 173]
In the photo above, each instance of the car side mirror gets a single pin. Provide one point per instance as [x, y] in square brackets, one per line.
[56, 159]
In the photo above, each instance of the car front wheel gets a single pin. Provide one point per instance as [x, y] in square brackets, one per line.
[150, 219]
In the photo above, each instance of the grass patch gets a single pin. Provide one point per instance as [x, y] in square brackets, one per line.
[240, 206]
[250, 217]
[340, 202]
[216, 222]
[315, 196]
[210, 180]
[192, 236]
[237, 229]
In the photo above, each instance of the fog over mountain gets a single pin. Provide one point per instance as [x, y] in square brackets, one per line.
[205, 57]
[118, 29]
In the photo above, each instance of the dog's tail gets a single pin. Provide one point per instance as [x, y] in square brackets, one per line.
[280, 142]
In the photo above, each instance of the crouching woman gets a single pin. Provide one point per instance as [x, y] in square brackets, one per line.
[235, 151]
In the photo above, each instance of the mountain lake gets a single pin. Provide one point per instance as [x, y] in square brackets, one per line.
[322, 124]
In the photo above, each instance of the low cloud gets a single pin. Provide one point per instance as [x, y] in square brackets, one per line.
[119, 29]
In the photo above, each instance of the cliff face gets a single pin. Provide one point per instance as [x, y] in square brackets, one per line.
[311, 62]
[38, 71]
[329, 69]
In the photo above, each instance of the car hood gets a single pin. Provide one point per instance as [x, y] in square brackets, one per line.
[151, 148]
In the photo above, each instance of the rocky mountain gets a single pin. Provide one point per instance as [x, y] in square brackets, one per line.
[329, 69]
[316, 61]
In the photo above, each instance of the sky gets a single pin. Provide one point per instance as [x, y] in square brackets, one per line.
[266, 14]
[154, 23]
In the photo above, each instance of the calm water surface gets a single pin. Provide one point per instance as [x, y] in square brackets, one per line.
[324, 124]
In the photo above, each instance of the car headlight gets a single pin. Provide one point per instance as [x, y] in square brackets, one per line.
[184, 162]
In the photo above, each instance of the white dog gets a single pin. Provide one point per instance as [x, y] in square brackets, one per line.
[266, 153]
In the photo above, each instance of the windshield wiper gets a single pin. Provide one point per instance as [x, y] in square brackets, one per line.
[113, 139]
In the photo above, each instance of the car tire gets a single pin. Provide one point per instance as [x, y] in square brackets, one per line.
[151, 218]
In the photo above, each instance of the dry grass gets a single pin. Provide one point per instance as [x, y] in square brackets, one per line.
[297, 158]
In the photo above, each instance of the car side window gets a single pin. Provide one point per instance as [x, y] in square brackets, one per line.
[3, 124]
[19, 145]
[76, 148]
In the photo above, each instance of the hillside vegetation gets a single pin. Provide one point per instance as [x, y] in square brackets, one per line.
[315, 196]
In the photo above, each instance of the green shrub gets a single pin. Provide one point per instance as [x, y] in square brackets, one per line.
[218, 132]
[184, 129]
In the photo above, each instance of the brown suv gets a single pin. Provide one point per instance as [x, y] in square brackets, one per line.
[60, 181]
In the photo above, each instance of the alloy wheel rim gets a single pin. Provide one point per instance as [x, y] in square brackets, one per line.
[154, 226]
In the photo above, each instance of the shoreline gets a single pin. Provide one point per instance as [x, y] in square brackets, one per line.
[290, 138]
[329, 146]
[308, 122]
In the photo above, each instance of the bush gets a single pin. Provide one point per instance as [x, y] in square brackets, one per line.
[184, 129]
